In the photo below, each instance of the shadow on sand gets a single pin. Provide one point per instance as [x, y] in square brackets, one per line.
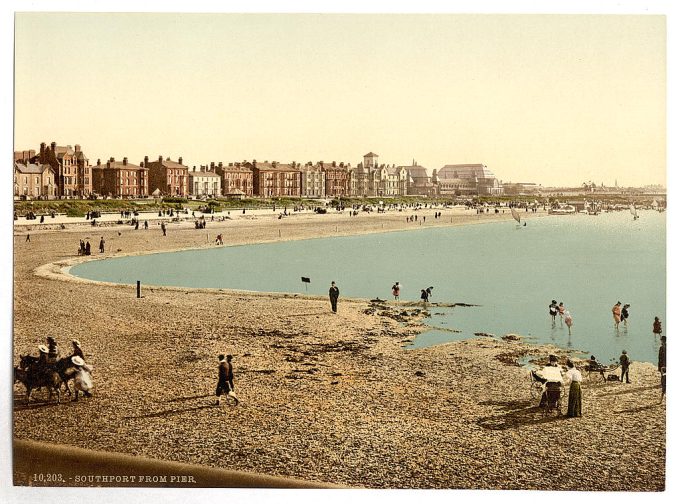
[169, 412]
[189, 398]
[631, 390]
[21, 405]
[516, 414]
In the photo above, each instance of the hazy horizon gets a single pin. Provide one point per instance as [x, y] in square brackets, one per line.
[556, 100]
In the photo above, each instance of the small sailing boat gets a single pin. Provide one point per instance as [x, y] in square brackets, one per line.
[633, 212]
[515, 215]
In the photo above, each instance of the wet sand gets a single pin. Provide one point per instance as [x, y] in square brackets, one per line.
[324, 397]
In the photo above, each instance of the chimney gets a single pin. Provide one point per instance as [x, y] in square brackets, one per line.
[146, 160]
[212, 165]
[99, 162]
[160, 159]
[125, 161]
[54, 147]
[42, 149]
[77, 148]
[180, 160]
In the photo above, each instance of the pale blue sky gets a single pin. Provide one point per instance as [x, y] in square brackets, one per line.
[548, 99]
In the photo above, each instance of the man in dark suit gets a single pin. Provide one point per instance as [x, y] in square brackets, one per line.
[334, 294]
[222, 379]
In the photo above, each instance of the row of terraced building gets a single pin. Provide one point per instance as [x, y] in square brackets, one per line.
[55, 171]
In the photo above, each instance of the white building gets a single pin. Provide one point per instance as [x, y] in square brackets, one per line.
[313, 181]
[204, 183]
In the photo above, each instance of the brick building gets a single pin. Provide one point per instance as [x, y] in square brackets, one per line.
[237, 179]
[120, 179]
[337, 179]
[72, 169]
[169, 177]
[271, 180]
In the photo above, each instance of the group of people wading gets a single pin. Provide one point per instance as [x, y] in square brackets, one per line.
[552, 377]
[50, 371]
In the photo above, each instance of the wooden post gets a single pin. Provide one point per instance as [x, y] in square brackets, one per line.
[139, 289]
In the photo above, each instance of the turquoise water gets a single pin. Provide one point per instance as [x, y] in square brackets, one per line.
[511, 272]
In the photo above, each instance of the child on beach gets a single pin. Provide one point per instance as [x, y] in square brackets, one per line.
[395, 291]
[656, 327]
[561, 309]
[225, 379]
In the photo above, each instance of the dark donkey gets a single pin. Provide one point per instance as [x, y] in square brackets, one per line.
[64, 367]
[35, 378]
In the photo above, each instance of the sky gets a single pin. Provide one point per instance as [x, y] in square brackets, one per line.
[550, 99]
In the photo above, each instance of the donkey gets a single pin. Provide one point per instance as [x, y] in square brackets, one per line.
[33, 379]
[64, 367]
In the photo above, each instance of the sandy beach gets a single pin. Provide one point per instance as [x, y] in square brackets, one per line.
[324, 397]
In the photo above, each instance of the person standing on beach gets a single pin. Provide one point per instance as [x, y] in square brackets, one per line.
[163, 228]
[574, 375]
[560, 310]
[424, 297]
[28, 237]
[656, 327]
[101, 245]
[662, 365]
[334, 294]
[230, 380]
[624, 360]
[222, 378]
[395, 291]
[616, 312]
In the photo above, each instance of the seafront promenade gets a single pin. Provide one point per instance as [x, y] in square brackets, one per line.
[323, 397]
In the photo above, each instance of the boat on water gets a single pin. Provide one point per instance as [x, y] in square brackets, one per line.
[591, 208]
[562, 210]
[633, 212]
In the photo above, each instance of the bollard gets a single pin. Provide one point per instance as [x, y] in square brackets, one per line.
[139, 289]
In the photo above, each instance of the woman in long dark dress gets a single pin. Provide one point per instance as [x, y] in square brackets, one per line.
[574, 408]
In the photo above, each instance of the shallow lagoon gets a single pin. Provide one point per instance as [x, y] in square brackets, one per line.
[511, 272]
